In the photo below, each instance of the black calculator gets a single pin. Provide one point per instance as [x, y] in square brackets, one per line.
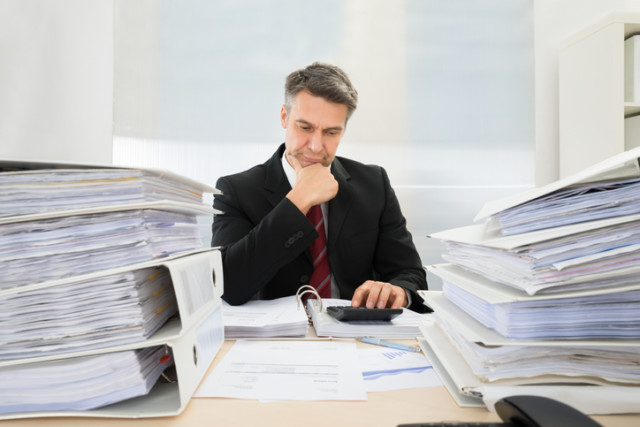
[352, 314]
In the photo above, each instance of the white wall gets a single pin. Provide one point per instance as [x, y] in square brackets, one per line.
[57, 65]
[555, 21]
[446, 95]
[56, 80]
[56, 96]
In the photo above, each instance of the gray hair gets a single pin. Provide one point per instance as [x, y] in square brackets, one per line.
[323, 80]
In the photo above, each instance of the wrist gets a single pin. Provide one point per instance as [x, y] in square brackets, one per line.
[301, 202]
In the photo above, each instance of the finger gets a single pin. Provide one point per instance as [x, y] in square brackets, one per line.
[374, 293]
[359, 295]
[399, 297]
[383, 298]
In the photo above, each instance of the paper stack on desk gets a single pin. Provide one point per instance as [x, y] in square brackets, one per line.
[281, 317]
[544, 297]
[106, 285]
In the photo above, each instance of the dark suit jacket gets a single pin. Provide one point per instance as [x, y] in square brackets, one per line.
[265, 238]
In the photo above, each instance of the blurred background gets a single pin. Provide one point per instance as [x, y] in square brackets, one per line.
[445, 92]
[458, 98]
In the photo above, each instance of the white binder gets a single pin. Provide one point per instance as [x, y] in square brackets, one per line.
[468, 390]
[193, 339]
[623, 165]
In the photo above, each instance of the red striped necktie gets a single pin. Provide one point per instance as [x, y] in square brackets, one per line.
[321, 277]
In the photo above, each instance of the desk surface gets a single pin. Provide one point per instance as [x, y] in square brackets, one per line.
[383, 409]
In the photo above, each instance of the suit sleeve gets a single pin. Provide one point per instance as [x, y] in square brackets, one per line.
[397, 260]
[256, 241]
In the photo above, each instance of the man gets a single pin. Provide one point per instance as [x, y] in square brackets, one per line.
[264, 230]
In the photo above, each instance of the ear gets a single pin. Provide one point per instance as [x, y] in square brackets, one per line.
[283, 116]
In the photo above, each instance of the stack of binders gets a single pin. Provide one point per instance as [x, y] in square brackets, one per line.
[111, 300]
[543, 298]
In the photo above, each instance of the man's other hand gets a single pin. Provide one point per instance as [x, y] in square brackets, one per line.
[374, 294]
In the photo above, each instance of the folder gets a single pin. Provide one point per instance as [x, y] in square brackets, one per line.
[497, 293]
[193, 339]
[166, 205]
[513, 314]
[468, 390]
[197, 280]
[8, 166]
[193, 351]
[477, 235]
[142, 241]
[280, 317]
[474, 331]
[553, 259]
[623, 165]
[406, 325]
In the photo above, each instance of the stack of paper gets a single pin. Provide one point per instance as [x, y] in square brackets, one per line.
[87, 314]
[578, 203]
[33, 191]
[545, 294]
[609, 312]
[494, 358]
[96, 263]
[50, 248]
[282, 317]
[406, 325]
[558, 260]
[80, 384]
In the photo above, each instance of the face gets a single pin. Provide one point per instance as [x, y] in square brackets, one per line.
[314, 128]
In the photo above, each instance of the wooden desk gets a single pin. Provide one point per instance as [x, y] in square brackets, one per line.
[382, 409]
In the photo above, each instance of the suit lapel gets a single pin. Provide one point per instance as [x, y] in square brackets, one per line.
[339, 207]
[276, 185]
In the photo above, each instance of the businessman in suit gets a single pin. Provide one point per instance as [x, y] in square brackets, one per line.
[265, 233]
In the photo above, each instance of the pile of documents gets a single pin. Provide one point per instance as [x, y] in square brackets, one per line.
[281, 317]
[543, 297]
[107, 287]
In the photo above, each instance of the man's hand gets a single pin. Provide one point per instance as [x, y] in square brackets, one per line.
[379, 295]
[314, 185]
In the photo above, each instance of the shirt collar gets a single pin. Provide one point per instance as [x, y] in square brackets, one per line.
[288, 170]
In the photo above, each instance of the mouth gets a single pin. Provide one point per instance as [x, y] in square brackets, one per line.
[313, 161]
[308, 161]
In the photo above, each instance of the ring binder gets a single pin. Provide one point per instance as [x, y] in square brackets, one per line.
[308, 289]
[406, 325]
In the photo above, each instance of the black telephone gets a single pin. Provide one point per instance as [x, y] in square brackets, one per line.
[529, 411]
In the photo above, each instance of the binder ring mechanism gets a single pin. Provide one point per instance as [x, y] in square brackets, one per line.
[308, 289]
[166, 358]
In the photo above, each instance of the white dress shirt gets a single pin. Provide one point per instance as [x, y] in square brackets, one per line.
[290, 172]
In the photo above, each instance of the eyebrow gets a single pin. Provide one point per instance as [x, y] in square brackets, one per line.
[304, 122]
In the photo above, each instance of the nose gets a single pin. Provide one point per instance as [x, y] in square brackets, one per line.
[315, 142]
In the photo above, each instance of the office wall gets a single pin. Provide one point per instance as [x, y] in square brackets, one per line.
[555, 21]
[56, 77]
[446, 92]
[56, 80]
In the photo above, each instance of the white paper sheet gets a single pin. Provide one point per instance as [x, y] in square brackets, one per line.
[287, 370]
